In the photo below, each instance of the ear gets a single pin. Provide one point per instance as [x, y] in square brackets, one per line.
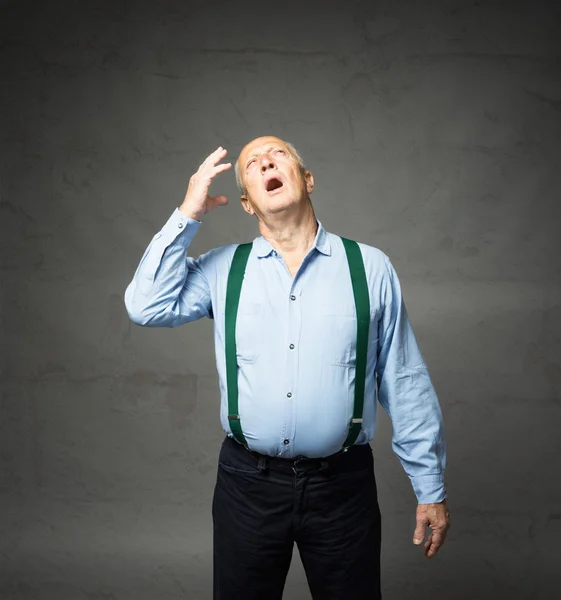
[247, 205]
[309, 178]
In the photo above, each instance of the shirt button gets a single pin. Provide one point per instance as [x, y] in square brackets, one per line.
[180, 225]
[291, 346]
[286, 442]
[293, 297]
[289, 395]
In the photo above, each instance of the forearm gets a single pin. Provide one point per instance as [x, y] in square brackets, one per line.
[167, 290]
[418, 429]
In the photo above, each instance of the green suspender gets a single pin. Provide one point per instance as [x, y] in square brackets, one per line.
[362, 305]
[235, 280]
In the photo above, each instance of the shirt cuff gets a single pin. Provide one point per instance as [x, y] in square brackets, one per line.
[179, 225]
[429, 488]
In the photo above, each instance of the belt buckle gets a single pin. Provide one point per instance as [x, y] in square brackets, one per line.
[294, 464]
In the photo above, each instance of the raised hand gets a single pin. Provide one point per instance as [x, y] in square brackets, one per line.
[197, 200]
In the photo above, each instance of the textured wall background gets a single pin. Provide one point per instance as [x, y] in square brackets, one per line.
[433, 130]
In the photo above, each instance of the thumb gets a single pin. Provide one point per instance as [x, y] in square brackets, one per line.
[419, 534]
[220, 200]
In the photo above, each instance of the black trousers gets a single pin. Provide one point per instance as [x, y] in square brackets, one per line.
[328, 507]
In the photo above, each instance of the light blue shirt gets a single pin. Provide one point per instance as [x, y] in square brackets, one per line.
[296, 341]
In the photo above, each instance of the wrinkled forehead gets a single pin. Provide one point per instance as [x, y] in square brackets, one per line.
[260, 145]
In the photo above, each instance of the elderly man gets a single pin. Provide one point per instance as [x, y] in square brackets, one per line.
[309, 329]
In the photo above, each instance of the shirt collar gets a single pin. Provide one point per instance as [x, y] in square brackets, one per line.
[321, 243]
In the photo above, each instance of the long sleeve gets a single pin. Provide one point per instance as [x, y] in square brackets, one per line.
[406, 393]
[169, 288]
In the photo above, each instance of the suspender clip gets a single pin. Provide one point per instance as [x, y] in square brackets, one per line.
[358, 420]
[233, 417]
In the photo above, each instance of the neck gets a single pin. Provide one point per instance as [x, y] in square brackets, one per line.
[290, 232]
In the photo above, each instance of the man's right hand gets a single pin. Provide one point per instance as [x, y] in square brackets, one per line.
[197, 200]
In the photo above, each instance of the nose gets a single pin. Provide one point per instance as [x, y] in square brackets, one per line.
[266, 163]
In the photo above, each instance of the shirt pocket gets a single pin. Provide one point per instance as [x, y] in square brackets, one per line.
[337, 335]
[249, 332]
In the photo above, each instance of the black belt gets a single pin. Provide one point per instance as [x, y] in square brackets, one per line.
[333, 462]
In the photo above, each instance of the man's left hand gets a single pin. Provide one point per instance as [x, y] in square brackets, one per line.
[437, 517]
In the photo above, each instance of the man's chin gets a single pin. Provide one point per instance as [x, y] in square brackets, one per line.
[279, 204]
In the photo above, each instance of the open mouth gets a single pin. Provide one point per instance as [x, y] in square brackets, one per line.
[273, 184]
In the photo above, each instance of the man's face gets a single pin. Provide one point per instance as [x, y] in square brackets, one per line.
[272, 176]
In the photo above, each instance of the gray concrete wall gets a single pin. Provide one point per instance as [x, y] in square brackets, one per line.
[433, 130]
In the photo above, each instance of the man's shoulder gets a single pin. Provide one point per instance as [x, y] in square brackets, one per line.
[218, 259]
[373, 257]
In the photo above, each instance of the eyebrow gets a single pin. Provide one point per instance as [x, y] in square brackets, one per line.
[268, 149]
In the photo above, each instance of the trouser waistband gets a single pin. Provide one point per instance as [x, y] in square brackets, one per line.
[356, 457]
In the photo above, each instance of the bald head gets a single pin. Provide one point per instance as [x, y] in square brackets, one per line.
[254, 149]
[272, 177]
